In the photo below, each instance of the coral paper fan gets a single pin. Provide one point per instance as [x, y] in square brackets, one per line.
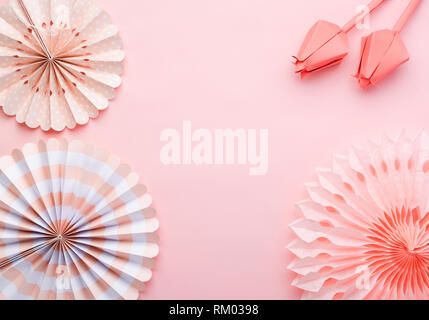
[60, 61]
[364, 232]
[75, 224]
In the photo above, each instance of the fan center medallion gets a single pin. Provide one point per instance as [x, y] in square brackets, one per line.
[397, 251]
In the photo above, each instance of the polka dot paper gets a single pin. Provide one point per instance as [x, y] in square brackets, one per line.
[60, 62]
[364, 231]
[75, 224]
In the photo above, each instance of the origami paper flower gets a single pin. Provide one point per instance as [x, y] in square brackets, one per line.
[364, 232]
[60, 62]
[384, 51]
[326, 44]
[74, 224]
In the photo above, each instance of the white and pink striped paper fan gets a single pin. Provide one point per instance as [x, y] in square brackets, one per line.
[74, 224]
[364, 231]
[60, 61]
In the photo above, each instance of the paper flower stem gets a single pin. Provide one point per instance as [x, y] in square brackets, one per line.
[33, 26]
[374, 4]
[412, 6]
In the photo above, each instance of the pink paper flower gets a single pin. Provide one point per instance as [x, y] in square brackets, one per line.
[364, 232]
[326, 43]
[384, 51]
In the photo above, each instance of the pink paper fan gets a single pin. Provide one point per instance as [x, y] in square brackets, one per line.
[60, 62]
[364, 232]
[74, 224]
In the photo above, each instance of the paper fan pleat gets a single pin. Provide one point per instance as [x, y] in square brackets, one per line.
[364, 231]
[60, 62]
[71, 212]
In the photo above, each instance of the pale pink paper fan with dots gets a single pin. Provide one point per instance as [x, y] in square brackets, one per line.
[60, 62]
[75, 223]
[364, 231]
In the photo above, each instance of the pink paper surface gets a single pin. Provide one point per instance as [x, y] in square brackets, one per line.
[226, 64]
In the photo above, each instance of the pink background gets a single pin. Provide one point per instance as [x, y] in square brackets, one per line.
[226, 64]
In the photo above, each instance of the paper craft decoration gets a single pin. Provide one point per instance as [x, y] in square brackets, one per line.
[384, 51]
[74, 224]
[364, 231]
[60, 62]
[326, 43]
